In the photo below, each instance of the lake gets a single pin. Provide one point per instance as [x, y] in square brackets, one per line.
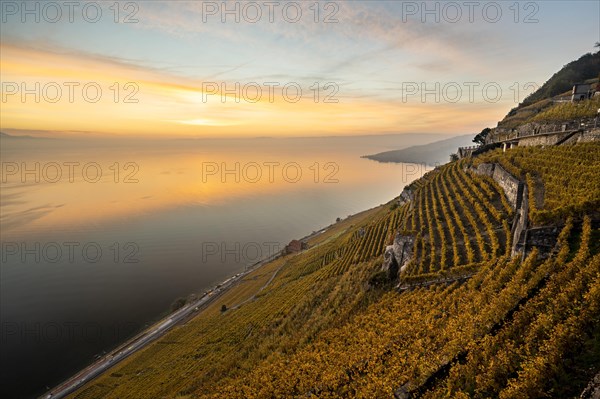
[100, 237]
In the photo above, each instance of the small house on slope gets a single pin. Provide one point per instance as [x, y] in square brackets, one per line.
[581, 91]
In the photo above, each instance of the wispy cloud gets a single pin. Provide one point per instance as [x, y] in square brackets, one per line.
[359, 25]
[368, 53]
[175, 105]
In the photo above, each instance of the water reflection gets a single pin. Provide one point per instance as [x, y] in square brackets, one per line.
[109, 235]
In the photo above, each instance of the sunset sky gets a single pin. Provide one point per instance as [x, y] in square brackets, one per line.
[160, 66]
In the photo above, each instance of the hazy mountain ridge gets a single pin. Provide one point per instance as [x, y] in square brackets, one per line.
[436, 153]
[15, 137]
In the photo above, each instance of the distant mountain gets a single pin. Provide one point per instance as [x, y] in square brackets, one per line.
[436, 153]
[11, 137]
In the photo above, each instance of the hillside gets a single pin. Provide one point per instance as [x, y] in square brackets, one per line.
[578, 71]
[466, 320]
[437, 153]
[542, 106]
[563, 181]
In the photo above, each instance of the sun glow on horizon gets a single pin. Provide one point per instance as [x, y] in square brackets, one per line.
[51, 91]
[177, 73]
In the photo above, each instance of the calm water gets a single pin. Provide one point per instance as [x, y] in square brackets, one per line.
[99, 239]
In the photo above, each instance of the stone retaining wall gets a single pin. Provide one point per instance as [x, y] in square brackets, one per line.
[512, 187]
[524, 237]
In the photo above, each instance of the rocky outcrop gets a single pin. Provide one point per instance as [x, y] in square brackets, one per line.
[406, 195]
[592, 391]
[390, 264]
[397, 256]
[404, 392]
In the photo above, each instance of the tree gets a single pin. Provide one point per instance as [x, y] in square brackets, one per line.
[453, 157]
[223, 308]
[480, 138]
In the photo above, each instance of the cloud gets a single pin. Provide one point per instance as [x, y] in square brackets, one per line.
[11, 199]
[207, 122]
[21, 218]
[175, 105]
[379, 26]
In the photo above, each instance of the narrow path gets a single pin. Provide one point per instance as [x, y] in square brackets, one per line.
[253, 297]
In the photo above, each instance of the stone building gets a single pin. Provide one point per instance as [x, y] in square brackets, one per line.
[295, 246]
[581, 91]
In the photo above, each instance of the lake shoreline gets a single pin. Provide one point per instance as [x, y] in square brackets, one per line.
[175, 318]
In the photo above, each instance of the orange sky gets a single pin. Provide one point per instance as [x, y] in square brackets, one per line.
[170, 56]
[162, 104]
